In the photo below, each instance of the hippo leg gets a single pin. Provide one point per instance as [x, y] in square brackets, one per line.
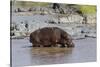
[33, 45]
[62, 45]
[36, 45]
[46, 45]
[54, 44]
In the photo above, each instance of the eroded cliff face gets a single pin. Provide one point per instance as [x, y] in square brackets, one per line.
[27, 19]
[77, 30]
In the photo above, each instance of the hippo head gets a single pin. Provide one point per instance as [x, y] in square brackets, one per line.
[68, 41]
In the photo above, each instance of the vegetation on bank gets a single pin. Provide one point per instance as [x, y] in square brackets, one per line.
[85, 9]
[88, 9]
[29, 4]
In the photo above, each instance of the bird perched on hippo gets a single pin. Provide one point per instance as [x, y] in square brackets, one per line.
[51, 37]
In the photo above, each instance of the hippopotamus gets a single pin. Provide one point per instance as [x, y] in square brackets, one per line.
[51, 37]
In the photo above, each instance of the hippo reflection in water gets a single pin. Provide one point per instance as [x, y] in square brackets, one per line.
[51, 37]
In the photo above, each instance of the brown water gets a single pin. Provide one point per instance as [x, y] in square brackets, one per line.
[24, 55]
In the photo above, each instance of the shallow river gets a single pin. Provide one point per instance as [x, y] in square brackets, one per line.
[25, 55]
